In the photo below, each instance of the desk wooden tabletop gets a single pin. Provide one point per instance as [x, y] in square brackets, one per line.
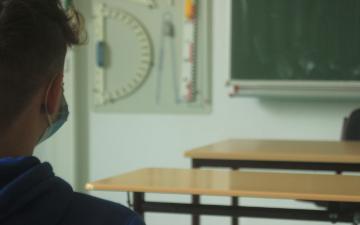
[280, 150]
[342, 188]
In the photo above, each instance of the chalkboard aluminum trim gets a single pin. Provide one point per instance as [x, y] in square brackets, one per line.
[298, 85]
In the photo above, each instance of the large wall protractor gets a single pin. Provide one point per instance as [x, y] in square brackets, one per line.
[124, 54]
[152, 56]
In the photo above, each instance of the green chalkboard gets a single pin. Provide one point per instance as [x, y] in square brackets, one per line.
[297, 40]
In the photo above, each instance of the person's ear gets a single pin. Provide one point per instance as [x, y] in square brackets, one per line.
[55, 90]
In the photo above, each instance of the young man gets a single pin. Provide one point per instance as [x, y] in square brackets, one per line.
[34, 37]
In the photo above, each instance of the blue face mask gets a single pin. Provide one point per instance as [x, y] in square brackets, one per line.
[55, 125]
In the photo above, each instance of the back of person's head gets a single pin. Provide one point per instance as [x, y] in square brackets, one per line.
[34, 36]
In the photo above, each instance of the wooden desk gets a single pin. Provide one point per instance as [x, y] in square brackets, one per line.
[335, 156]
[333, 188]
[280, 154]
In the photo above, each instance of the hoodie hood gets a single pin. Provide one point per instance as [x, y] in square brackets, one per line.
[30, 193]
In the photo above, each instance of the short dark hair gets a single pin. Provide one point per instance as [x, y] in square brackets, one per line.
[34, 37]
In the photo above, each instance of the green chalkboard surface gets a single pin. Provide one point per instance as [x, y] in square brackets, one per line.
[297, 40]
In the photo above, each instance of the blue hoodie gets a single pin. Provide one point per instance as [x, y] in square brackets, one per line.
[31, 194]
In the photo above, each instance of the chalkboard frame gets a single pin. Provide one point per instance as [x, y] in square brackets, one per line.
[288, 88]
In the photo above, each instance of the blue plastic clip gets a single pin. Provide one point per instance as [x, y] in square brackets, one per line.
[100, 54]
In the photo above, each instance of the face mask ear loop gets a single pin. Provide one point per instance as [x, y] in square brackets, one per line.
[46, 100]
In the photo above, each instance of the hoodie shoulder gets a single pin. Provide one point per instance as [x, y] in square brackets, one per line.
[86, 209]
[35, 196]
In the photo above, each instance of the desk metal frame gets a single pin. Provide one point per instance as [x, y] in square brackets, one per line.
[238, 211]
[332, 214]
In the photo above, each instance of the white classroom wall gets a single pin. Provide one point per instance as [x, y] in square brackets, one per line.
[123, 142]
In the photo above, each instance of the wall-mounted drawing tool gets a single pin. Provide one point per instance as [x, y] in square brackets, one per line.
[167, 38]
[187, 81]
[143, 63]
[150, 56]
[149, 3]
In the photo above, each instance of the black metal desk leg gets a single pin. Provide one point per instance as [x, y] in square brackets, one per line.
[195, 217]
[195, 199]
[139, 199]
[235, 203]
